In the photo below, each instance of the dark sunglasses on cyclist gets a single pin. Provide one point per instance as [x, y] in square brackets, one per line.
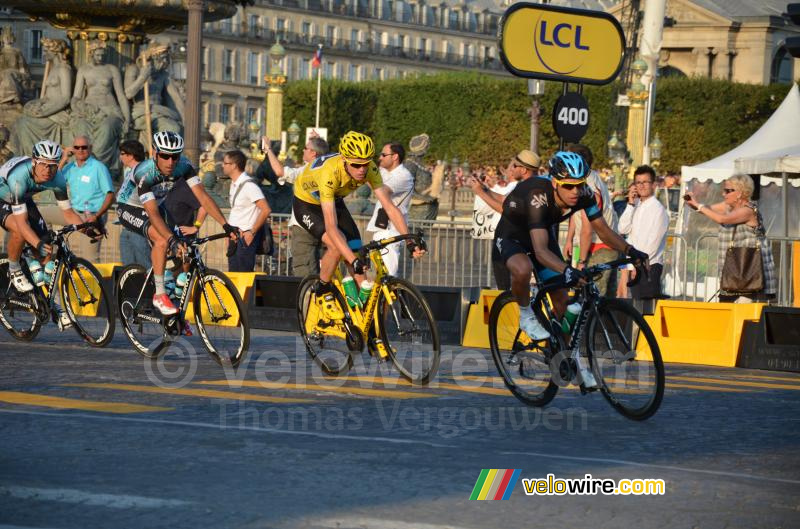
[358, 165]
[80, 147]
[570, 187]
[169, 156]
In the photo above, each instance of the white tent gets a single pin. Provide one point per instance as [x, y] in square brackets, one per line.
[779, 135]
[786, 160]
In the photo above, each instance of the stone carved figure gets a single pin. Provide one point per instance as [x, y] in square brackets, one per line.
[14, 74]
[47, 116]
[166, 105]
[5, 152]
[99, 106]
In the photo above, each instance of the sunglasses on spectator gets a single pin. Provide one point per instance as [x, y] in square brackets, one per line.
[80, 147]
[169, 156]
[726, 190]
[358, 165]
[386, 154]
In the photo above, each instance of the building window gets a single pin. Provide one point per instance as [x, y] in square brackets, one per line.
[225, 113]
[306, 30]
[254, 25]
[252, 67]
[305, 69]
[226, 26]
[782, 67]
[280, 25]
[227, 65]
[453, 19]
[252, 115]
[35, 47]
[328, 65]
[378, 74]
[354, 39]
[352, 73]
[330, 34]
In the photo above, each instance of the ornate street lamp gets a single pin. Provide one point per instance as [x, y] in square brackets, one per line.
[655, 151]
[254, 135]
[293, 135]
[535, 90]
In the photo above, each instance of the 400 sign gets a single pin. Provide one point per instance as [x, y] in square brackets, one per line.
[571, 117]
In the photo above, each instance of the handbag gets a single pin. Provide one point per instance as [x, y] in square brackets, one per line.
[267, 243]
[743, 269]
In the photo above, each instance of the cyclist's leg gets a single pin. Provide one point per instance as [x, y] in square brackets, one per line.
[348, 227]
[13, 224]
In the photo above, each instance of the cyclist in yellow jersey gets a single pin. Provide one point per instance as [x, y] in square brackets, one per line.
[319, 206]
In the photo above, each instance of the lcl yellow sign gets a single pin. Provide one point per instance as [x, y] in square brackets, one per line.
[563, 44]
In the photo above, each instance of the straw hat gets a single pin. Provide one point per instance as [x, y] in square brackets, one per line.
[528, 158]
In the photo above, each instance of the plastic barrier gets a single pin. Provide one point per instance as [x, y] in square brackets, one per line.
[449, 308]
[273, 303]
[476, 331]
[243, 281]
[773, 342]
[693, 332]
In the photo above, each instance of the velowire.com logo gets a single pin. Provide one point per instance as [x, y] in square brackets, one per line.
[495, 484]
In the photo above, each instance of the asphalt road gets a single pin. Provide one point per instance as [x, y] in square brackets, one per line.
[95, 438]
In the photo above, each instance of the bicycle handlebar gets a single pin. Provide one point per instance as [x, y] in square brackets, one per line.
[377, 245]
[202, 240]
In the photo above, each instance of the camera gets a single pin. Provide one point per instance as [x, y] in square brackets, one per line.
[687, 196]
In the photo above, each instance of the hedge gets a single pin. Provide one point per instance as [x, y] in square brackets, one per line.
[485, 119]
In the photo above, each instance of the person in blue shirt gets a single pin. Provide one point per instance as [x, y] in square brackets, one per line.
[21, 178]
[91, 192]
[140, 206]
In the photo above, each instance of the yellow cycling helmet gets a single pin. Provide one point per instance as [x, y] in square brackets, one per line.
[356, 147]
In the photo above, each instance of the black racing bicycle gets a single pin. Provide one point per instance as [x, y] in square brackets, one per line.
[217, 308]
[606, 337]
[75, 280]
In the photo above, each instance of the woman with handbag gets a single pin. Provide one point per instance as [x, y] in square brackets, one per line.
[747, 269]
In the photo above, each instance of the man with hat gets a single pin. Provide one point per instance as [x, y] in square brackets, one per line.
[489, 199]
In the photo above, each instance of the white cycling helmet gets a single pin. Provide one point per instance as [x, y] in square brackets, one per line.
[168, 141]
[47, 150]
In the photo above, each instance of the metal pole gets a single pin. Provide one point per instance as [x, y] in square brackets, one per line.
[784, 269]
[194, 47]
[319, 88]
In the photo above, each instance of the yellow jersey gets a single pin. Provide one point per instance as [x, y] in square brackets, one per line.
[326, 179]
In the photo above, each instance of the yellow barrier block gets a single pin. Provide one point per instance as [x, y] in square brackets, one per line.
[242, 281]
[476, 333]
[693, 332]
[80, 291]
[106, 269]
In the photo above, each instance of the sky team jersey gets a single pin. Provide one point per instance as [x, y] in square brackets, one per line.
[17, 184]
[325, 179]
[146, 182]
[532, 205]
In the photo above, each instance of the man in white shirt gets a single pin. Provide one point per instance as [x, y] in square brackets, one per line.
[249, 209]
[489, 198]
[306, 250]
[401, 184]
[645, 221]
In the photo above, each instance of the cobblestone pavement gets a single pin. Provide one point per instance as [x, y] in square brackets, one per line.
[92, 438]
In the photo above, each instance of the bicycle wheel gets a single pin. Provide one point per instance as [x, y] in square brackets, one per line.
[631, 382]
[328, 343]
[409, 331]
[87, 303]
[523, 364]
[142, 323]
[19, 313]
[221, 318]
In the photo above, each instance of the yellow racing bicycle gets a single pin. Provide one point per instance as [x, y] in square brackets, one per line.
[395, 321]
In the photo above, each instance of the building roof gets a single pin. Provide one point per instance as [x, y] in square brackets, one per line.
[739, 9]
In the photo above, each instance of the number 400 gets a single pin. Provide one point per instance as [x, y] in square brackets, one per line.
[574, 116]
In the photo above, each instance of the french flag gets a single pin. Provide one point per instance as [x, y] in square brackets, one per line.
[316, 62]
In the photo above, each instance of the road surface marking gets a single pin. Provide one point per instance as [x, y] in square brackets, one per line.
[207, 393]
[48, 401]
[113, 501]
[380, 393]
[745, 383]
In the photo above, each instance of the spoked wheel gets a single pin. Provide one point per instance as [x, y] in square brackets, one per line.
[523, 364]
[221, 318]
[409, 332]
[329, 343]
[87, 302]
[141, 321]
[632, 381]
[19, 313]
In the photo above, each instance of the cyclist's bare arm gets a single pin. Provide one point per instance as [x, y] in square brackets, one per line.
[540, 238]
[156, 221]
[71, 217]
[208, 204]
[384, 195]
[332, 231]
[24, 228]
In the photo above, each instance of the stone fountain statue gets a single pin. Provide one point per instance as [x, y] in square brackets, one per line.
[151, 71]
[14, 78]
[47, 117]
[99, 107]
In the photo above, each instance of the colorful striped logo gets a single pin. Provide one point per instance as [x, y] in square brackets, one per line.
[495, 484]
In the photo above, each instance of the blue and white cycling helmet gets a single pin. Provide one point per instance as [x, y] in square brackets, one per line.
[47, 150]
[568, 168]
[168, 141]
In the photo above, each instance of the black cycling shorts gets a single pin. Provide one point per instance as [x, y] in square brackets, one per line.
[310, 217]
[35, 219]
[136, 219]
[503, 249]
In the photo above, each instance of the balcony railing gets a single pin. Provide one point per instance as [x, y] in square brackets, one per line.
[362, 47]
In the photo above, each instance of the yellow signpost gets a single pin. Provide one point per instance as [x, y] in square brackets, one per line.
[562, 44]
